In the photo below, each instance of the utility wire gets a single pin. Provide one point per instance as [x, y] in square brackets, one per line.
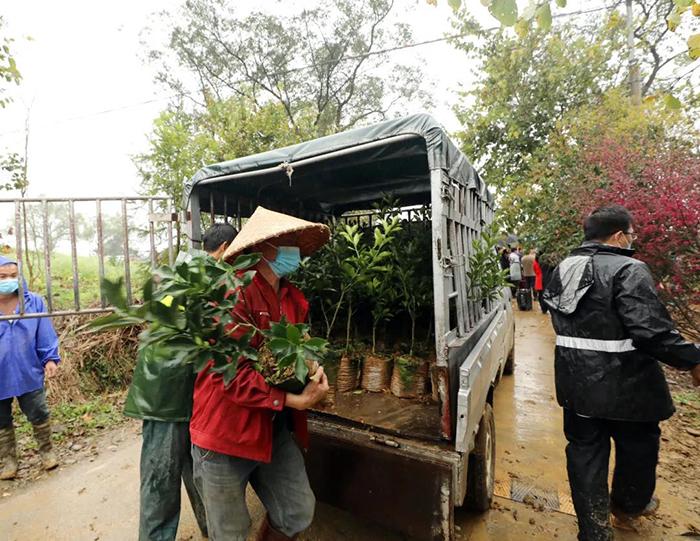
[306, 67]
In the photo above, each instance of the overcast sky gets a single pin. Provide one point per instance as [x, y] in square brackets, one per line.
[84, 86]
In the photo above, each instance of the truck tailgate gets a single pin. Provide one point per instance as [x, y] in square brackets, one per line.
[403, 484]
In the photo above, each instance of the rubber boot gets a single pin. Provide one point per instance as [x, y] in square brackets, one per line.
[268, 533]
[42, 435]
[8, 453]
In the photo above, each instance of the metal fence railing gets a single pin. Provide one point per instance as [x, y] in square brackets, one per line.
[118, 240]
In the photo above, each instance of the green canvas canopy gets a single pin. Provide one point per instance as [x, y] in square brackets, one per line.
[348, 170]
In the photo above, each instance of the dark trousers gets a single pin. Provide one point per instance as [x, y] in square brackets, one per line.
[166, 461]
[530, 281]
[282, 486]
[587, 458]
[32, 404]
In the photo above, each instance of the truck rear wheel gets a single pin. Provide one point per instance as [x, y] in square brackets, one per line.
[510, 362]
[482, 464]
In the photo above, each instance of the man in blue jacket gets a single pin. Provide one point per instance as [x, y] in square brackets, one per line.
[28, 353]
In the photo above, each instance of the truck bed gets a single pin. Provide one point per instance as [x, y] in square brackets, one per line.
[414, 418]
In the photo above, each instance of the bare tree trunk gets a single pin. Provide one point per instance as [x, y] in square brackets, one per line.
[23, 192]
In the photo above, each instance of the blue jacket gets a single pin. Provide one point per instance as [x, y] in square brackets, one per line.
[26, 345]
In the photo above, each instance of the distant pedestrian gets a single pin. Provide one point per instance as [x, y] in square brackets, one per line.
[538, 278]
[503, 259]
[611, 331]
[161, 395]
[528, 265]
[543, 271]
[515, 270]
[28, 353]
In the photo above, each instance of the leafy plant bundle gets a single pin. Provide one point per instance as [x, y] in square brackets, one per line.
[485, 276]
[365, 265]
[290, 355]
[378, 264]
[319, 277]
[415, 290]
[190, 308]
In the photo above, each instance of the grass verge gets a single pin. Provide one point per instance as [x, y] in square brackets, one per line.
[72, 420]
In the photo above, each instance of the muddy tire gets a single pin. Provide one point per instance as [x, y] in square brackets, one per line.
[482, 464]
[509, 367]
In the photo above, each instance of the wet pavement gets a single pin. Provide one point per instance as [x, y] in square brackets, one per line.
[99, 500]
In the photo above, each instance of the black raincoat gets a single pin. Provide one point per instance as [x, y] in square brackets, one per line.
[612, 330]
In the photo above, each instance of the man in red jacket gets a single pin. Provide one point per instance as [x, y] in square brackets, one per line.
[243, 433]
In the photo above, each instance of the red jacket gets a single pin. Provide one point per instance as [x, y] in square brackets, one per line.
[538, 277]
[237, 420]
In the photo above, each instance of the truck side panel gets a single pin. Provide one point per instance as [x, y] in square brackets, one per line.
[477, 374]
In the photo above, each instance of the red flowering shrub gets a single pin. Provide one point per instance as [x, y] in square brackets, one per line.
[661, 188]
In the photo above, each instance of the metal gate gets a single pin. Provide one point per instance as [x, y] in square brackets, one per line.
[149, 223]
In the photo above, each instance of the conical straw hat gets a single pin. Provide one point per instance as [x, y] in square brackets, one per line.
[266, 224]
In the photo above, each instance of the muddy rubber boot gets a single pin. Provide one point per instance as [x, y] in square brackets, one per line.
[268, 533]
[8, 454]
[630, 522]
[42, 435]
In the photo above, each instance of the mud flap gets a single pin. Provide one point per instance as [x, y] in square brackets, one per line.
[404, 485]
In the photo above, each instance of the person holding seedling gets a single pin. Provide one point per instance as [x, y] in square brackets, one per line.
[242, 433]
[161, 395]
[28, 353]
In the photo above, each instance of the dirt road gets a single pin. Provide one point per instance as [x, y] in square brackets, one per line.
[98, 499]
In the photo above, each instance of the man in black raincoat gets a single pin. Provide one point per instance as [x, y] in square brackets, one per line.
[611, 332]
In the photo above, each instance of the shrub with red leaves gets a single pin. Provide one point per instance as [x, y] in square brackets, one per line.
[661, 188]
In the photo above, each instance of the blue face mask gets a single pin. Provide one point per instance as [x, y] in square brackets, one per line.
[287, 261]
[9, 286]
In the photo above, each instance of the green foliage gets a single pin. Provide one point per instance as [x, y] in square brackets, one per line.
[407, 367]
[383, 270]
[381, 281]
[190, 307]
[506, 11]
[687, 398]
[485, 277]
[667, 15]
[294, 348]
[182, 142]
[71, 419]
[414, 280]
[12, 165]
[319, 277]
[257, 56]
[544, 17]
[365, 266]
[8, 67]
[694, 46]
[525, 86]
